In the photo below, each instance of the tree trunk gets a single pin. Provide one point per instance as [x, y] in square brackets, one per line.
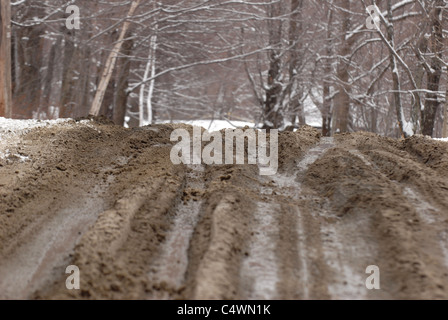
[124, 67]
[84, 83]
[342, 103]
[13, 62]
[30, 40]
[108, 101]
[445, 118]
[433, 77]
[295, 32]
[48, 83]
[149, 98]
[326, 100]
[71, 57]
[5, 59]
[422, 48]
[147, 117]
[395, 75]
[110, 64]
[272, 118]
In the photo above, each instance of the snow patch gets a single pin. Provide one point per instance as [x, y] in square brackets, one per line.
[213, 125]
[7, 155]
[14, 126]
[408, 128]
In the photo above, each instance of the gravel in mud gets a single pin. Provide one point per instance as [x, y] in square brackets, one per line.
[110, 201]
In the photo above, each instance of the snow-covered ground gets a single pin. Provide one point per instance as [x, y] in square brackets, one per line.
[313, 118]
[214, 125]
[442, 139]
[14, 126]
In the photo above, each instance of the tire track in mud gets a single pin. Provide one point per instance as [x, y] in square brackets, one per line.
[125, 241]
[259, 270]
[50, 223]
[432, 216]
[428, 257]
[287, 266]
[322, 254]
[48, 248]
[274, 266]
[296, 225]
[220, 239]
[146, 229]
[402, 246]
[77, 226]
[170, 267]
[213, 270]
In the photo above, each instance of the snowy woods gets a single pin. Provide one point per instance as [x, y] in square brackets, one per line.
[377, 66]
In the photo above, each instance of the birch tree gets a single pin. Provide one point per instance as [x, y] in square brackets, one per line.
[146, 116]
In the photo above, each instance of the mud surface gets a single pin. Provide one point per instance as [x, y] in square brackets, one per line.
[110, 201]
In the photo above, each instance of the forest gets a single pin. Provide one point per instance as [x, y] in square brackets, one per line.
[376, 66]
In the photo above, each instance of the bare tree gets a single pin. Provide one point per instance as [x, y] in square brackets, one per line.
[341, 111]
[5, 59]
[326, 85]
[258, 60]
[435, 72]
[395, 73]
[296, 47]
[110, 64]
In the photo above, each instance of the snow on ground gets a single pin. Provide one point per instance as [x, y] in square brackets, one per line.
[214, 125]
[8, 155]
[15, 126]
[313, 118]
[11, 131]
[441, 139]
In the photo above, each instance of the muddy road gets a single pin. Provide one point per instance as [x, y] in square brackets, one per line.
[109, 201]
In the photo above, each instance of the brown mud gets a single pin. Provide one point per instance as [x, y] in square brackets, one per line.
[110, 201]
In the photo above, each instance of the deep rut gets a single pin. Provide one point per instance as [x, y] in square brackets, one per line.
[109, 201]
